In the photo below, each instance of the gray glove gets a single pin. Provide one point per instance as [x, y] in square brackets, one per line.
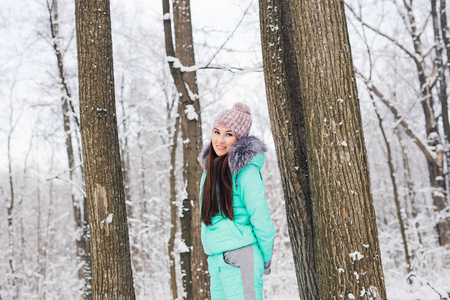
[267, 267]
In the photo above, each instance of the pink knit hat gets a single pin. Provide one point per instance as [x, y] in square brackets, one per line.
[238, 119]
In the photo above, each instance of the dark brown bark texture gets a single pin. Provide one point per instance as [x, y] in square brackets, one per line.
[192, 143]
[110, 249]
[192, 131]
[316, 123]
[286, 115]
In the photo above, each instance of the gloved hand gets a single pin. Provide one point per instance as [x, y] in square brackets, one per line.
[267, 267]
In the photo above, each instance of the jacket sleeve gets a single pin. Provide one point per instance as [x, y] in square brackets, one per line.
[252, 191]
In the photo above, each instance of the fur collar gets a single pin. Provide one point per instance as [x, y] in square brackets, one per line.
[241, 154]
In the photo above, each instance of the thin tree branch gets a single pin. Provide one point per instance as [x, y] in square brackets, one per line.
[398, 116]
[402, 47]
[229, 37]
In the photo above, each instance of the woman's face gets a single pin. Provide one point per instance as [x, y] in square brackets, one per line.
[223, 140]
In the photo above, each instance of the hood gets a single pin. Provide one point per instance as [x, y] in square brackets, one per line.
[242, 153]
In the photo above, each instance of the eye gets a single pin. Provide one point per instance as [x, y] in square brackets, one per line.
[229, 134]
[216, 132]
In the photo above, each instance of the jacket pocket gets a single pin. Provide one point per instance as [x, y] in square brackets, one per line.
[235, 230]
[229, 259]
[239, 257]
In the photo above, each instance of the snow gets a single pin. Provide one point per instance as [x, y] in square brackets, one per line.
[108, 219]
[190, 112]
[356, 255]
[192, 96]
[138, 56]
[182, 247]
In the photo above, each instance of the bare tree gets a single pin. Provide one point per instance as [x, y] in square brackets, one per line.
[10, 204]
[426, 80]
[112, 275]
[193, 260]
[316, 123]
[77, 207]
[390, 162]
[173, 204]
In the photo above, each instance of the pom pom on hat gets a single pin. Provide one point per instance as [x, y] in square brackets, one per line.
[238, 119]
[242, 108]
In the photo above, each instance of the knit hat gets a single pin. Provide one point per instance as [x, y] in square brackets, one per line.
[238, 120]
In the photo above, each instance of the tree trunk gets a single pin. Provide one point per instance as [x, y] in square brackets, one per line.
[173, 210]
[436, 174]
[443, 225]
[48, 231]
[410, 196]
[76, 205]
[316, 123]
[435, 166]
[110, 249]
[192, 131]
[10, 210]
[125, 153]
[394, 189]
[283, 91]
[193, 260]
[444, 29]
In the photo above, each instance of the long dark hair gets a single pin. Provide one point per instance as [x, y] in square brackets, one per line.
[217, 194]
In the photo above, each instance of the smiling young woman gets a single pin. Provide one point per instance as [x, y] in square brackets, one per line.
[222, 140]
[237, 231]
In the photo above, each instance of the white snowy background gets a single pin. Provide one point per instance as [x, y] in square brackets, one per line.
[31, 123]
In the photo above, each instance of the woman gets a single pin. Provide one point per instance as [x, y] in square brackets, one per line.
[237, 231]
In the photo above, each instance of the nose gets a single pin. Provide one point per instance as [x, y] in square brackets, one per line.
[221, 139]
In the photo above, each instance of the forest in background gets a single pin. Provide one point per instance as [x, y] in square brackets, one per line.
[226, 35]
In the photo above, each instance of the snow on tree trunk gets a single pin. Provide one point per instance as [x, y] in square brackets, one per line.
[316, 123]
[193, 261]
[191, 126]
[112, 276]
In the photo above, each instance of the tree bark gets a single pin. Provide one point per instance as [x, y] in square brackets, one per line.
[191, 131]
[173, 210]
[286, 115]
[193, 260]
[110, 249]
[316, 124]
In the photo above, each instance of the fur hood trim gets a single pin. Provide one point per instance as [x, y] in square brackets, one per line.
[242, 153]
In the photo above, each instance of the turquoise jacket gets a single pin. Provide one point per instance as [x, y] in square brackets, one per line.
[252, 222]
